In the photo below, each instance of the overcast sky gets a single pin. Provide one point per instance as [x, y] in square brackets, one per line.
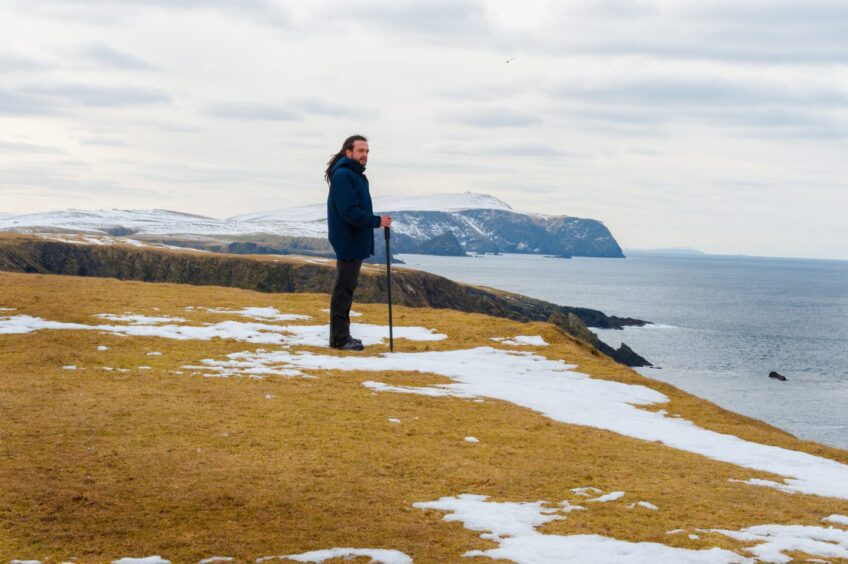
[720, 125]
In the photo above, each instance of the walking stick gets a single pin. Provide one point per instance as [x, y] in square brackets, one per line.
[387, 233]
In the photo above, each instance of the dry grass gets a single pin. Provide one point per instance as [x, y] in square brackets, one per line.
[97, 465]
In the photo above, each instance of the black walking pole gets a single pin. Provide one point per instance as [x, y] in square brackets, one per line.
[387, 233]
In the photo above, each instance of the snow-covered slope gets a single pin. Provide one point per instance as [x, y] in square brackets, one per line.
[435, 224]
[435, 202]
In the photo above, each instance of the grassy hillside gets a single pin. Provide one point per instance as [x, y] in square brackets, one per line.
[133, 454]
[25, 253]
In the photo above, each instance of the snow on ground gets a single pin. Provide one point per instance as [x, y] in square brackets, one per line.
[69, 367]
[139, 319]
[612, 496]
[838, 519]
[145, 560]
[553, 389]
[263, 313]
[586, 491]
[773, 541]
[513, 525]
[378, 555]
[213, 559]
[8, 309]
[471, 440]
[352, 313]
[260, 333]
[645, 504]
[519, 340]
[549, 387]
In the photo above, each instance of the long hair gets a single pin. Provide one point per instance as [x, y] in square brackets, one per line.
[346, 146]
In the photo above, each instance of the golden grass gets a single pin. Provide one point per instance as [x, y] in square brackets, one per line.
[97, 464]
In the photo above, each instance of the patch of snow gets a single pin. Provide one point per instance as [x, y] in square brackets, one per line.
[838, 519]
[586, 491]
[8, 309]
[612, 496]
[764, 484]
[645, 504]
[432, 392]
[549, 387]
[774, 540]
[694, 537]
[675, 531]
[522, 340]
[263, 313]
[139, 319]
[145, 560]
[394, 420]
[144, 368]
[25, 562]
[103, 348]
[154, 353]
[378, 555]
[471, 440]
[213, 559]
[352, 313]
[69, 367]
[513, 526]
[108, 368]
[269, 396]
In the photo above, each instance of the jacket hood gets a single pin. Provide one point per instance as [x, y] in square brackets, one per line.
[348, 163]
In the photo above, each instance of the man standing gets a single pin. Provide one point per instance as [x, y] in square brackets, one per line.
[351, 223]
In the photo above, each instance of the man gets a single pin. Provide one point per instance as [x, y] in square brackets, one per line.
[351, 223]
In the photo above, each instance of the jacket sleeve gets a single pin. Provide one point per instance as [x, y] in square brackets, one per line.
[343, 194]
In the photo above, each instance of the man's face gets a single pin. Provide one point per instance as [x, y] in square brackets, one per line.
[359, 153]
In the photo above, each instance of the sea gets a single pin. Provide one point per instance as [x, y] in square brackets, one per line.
[720, 324]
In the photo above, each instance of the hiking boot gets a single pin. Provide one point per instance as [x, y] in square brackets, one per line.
[350, 344]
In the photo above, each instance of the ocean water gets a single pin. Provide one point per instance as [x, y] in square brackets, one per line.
[721, 324]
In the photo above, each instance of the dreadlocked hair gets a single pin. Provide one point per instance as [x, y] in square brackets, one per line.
[346, 146]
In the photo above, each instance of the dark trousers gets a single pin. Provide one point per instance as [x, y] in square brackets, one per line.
[347, 277]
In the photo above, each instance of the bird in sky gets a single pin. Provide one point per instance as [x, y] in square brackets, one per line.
[510, 59]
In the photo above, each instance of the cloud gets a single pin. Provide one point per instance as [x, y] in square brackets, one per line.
[503, 149]
[107, 55]
[15, 104]
[492, 117]
[8, 147]
[253, 111]
[293, 110]
[458, 18]
[14, 63]
[78, 94]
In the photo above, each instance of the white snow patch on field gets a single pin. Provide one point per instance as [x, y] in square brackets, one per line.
[471, 440]
[522, 340]
[549, 387]
[139, 319]
[145, 560]
[838, 519]
[263, 313]
[513, 526]
[8, 309]
[612, 496]
[378, 555]
[775, 540]
[260, 333]
[102, 348]
[69, 367]
[213, 559]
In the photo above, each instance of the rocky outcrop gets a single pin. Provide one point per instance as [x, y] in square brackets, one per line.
[409, 287]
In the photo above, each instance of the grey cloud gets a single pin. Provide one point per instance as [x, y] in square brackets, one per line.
[459, 18]
[97, 96]
[13, 63]
[107, 55]
[508, 149]
[102, 142]
[711, 90]
[317, 106]
[62, 178]
[253, 111]
[10, 147]
[493, 117]
[106, 11]
[13, 103]
[293, 110]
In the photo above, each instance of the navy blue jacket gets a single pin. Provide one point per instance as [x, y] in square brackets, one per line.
[350, 216]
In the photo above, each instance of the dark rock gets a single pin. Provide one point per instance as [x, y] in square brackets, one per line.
[777, 376]
[625, 355]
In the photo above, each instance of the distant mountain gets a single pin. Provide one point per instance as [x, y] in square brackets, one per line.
[446, 224]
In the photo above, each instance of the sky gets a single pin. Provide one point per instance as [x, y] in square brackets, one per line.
[718, 125]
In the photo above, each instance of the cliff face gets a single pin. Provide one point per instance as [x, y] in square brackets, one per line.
[490, 230]
[409, 288]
